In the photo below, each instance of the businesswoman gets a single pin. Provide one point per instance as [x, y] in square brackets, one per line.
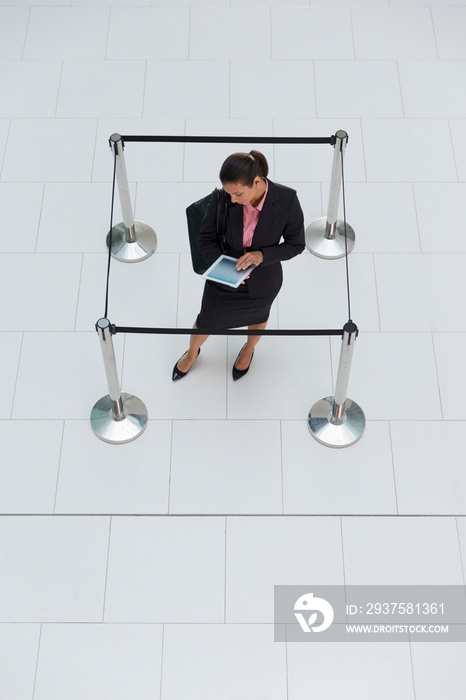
[264, 225]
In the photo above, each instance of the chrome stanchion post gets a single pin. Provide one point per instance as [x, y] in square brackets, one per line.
[337, 421]
[131, 241]
[325, 237]
[117, 417]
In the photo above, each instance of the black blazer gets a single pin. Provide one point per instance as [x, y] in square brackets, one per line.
[281, 217]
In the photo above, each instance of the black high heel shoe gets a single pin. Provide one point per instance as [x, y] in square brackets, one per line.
[238, 373]
[177, 373]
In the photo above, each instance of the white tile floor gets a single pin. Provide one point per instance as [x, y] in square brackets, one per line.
[145, 571]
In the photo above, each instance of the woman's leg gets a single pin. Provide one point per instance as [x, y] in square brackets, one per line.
[185, 362]
[244, 360]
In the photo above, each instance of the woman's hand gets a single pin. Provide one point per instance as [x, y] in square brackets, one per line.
[252, 257]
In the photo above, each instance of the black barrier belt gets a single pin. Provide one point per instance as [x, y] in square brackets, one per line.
[221, 331]
[233, 139]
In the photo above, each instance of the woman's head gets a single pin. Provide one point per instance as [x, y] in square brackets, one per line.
[242, 173]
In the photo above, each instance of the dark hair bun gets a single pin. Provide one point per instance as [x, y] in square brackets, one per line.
[261, 161]
[244, 168]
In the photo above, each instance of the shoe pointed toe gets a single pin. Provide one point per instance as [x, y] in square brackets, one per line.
[177, 373]
[238, 373]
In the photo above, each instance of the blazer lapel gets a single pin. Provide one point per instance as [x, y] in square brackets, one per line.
[266, 217]
[236, 221]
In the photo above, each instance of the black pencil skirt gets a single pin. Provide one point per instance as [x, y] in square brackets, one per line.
[227, 307]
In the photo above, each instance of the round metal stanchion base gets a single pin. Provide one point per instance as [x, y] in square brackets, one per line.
[108, 429]
[347, 433]
[329, 248]
[141, 249]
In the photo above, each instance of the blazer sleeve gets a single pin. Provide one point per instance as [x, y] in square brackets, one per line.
[209, 241]
[293, 236]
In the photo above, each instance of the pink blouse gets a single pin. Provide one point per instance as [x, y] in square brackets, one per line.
[250, 219]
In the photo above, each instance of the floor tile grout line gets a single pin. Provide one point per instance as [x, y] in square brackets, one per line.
[212, 182]
[271, 8]
[282, 467]
[143, 104]
[361, 131]
[393, 467]
[57, 482]
[109, 21]
[150, 623]
[229, 89]
[287, 682]
[314, 78]
[178, 284]
[460, 552]
[434, 32]
[377, 302]
[350, 8]
[439, 388]
[183, 157]
[37, 662]
[26, 33]
[219, 515]
[225, 572]
[453, 150]
[172, 433]
[78, 292]
[400, 89]
[162, 650]
[412, 669]
[59, 88]
[343, 559]
[2, 163]
[35, 251]
[17, 375]
[189, 31]
[342, 540]
[104, 602]
[413, 187]
[212, 59]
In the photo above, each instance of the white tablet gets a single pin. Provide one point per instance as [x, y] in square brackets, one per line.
[224, 271]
